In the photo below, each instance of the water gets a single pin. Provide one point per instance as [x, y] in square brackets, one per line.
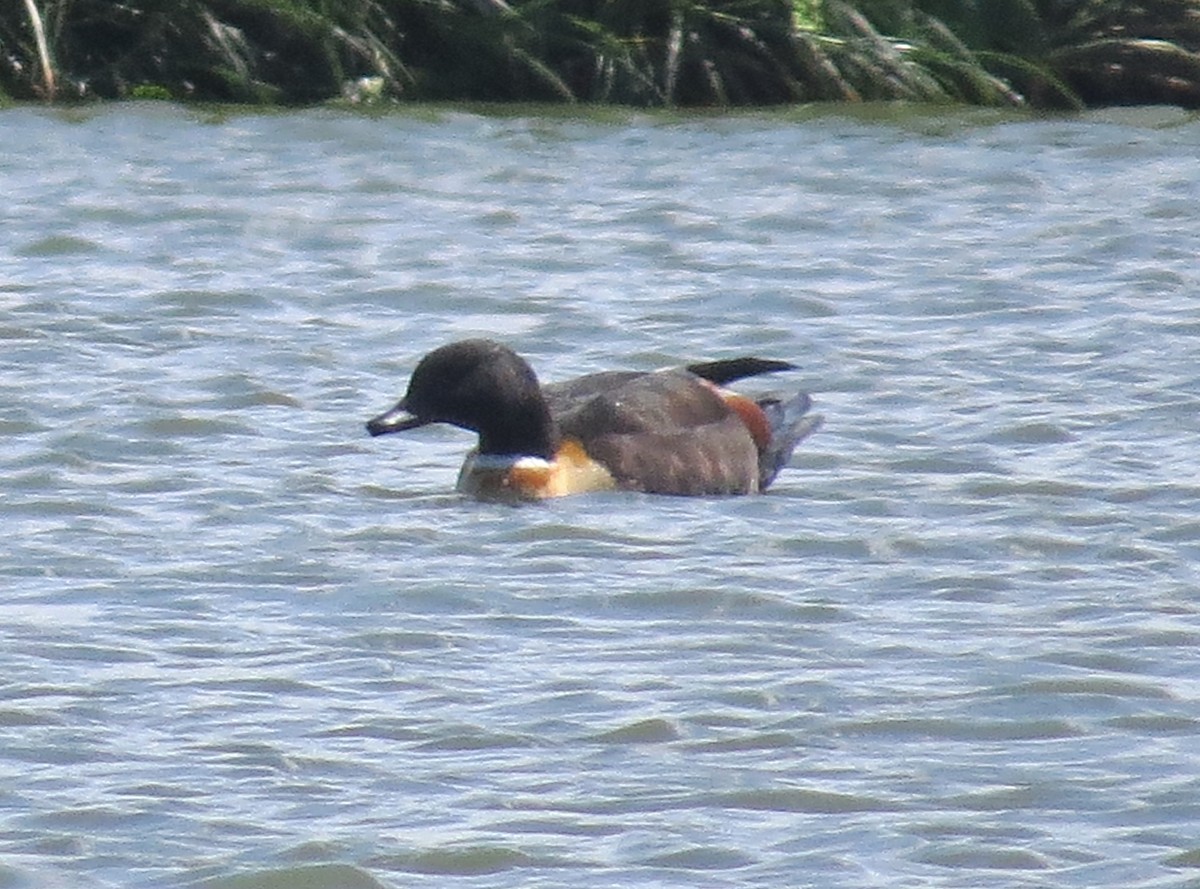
[243, 645]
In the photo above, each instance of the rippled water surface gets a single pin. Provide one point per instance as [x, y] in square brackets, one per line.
[243, 645]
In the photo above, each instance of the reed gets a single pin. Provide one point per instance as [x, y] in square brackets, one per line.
[43, 50]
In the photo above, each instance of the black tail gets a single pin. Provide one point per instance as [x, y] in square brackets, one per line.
[730, 369]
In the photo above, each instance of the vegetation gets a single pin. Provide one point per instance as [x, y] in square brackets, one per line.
[1044, 53]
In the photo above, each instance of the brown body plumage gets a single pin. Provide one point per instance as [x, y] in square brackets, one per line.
[667, 432]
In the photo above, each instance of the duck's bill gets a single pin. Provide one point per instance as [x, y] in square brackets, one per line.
[396, 420]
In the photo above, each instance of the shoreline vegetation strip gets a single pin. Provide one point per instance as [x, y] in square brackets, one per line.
[1043, 54]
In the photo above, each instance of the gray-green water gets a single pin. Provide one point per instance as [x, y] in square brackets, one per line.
[242, 645]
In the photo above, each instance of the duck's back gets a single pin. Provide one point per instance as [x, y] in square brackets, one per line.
[668, 432]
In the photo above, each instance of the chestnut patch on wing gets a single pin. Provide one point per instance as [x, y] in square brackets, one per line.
[753, 416]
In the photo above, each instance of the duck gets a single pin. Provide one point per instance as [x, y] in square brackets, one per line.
[678, 431]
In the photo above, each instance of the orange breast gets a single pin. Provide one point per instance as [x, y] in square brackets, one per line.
[530, 481]
[571, 471]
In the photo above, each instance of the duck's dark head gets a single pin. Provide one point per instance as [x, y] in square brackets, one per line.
[482, 386]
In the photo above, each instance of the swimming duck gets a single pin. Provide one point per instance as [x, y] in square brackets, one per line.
[676, 431]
